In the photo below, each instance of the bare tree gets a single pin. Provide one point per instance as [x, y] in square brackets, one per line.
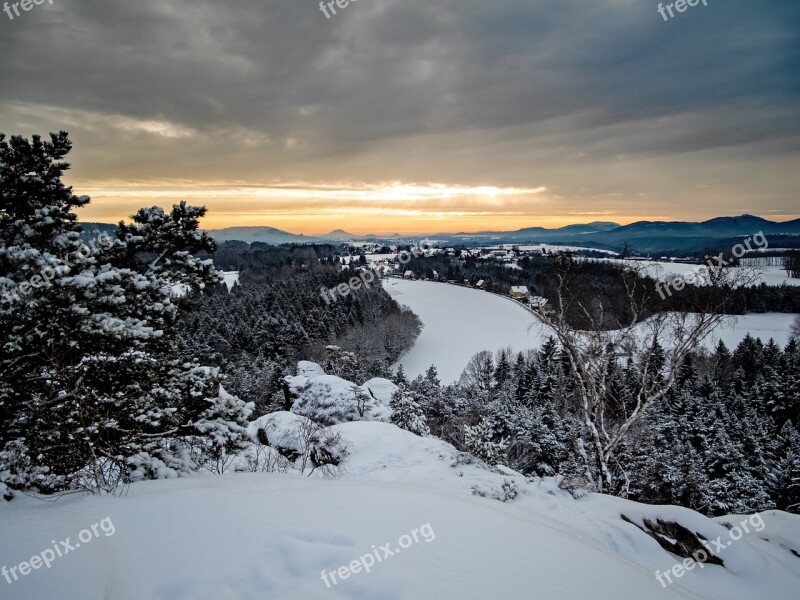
[596, 331]
[263, 459]
[479, 372]
[792, 263]
[794, 330]
[362, 400]
[322, 446]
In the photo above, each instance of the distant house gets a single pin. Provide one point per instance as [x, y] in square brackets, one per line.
[481, 284]
[519, 292]
[537, 301]
[409, 275]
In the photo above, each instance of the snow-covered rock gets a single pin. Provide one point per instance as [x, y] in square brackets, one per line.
[381, 389]
[330, 399]
[280, 430]
[309, 369]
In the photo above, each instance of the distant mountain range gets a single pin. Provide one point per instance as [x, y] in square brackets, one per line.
[649, 237]
[645, 237]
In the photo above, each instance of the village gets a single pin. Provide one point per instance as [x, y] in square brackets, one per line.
[391, 261]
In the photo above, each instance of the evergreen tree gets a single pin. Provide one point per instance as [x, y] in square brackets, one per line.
[784, 478]
[400, 376]
[93, 390]
[502, 371]
[407, 414]
[480, 441]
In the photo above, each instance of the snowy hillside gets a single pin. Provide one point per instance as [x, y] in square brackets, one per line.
[458, 322]
[461, 321]
[248, 536]
[771, 275]
[764, 326]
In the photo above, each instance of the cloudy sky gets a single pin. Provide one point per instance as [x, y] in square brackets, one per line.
[415, 115]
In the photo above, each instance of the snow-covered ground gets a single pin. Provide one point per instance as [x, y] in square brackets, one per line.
[668, 270]
[461, 321]
[552, 248]
[246, 536]
[231, 278]
[764, 326]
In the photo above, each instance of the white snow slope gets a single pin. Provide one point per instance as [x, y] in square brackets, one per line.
[461, 321]
[259, 535]
[771, 275]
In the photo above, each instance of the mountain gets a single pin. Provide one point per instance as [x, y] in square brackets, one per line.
[341, 234]
[645, 237]
[685, 236]
[267, 235]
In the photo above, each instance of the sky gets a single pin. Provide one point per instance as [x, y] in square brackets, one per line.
[414, 116]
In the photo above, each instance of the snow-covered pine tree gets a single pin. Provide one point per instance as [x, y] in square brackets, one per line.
[783, 478]
[400, 376]
[93, 390]
[407, 414]
[479, 440]
[502, 371]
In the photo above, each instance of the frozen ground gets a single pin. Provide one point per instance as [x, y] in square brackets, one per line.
[461, 321]
[553, 248]
[246, 536]
[668, 270]
[765, 326]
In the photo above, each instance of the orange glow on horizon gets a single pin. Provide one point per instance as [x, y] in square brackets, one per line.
[381, 209]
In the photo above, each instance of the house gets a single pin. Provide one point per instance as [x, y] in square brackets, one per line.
[519, 292]
[537, 302]
[481, 284]
[409, 275]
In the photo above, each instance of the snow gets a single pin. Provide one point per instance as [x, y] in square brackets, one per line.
[332, 398]
[381, 389]
[458, 323]
[231, 278]
[309, 369]
[281, 430]
[771, 275]
[764, 326]
[551, 248]
[245, 536]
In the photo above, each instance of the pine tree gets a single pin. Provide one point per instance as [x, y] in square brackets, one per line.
[93, 390]
[784, 478]
[400, 376]
[502, 371]
[407, 414]
[480, 441]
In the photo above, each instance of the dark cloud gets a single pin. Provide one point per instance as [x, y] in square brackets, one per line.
[568, 94]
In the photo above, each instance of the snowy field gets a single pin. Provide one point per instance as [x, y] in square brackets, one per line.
[552, 248]
[669, 270]
[764, 326]
[231, 278]
[461, 321]
[251, 536]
